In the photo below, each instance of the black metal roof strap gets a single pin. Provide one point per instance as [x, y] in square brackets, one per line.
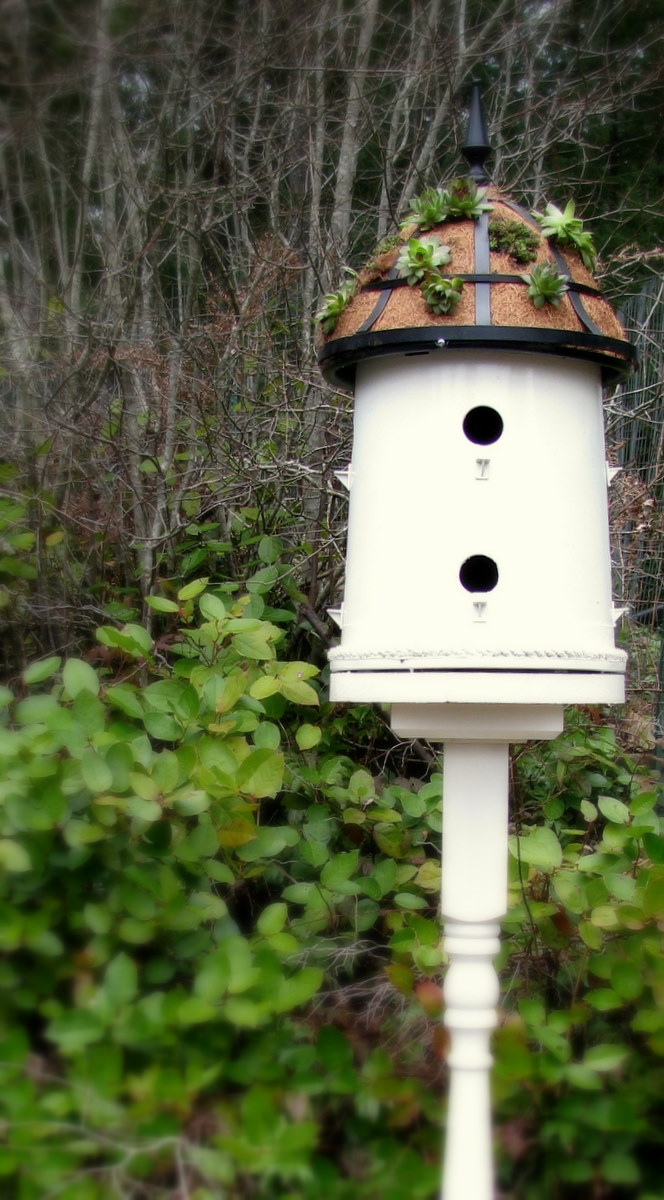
[575, 300]
[523, 212]
[476, 149]
[380, 285]
[482, 266]
[381, 301]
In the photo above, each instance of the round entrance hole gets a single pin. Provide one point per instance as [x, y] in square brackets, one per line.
[483, 425]
[479, 574]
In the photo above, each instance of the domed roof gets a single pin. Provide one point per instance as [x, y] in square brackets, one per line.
[497, 278]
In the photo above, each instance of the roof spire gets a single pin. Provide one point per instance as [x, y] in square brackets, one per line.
[476, 148]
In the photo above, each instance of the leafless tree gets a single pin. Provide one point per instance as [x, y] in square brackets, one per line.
[180, 180]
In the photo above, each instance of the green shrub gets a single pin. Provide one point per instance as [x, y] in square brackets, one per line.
[222, 945]
[186, 865]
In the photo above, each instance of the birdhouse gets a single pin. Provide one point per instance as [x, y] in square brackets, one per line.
[478, 566]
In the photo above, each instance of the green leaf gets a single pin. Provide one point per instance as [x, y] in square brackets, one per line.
[82, 833]
[97, 775]
[267, 736]
[161, 604]
[533, 1011]
[620, 1168]
[261, 774]
[428, 876]
[212, 608]
[336, 873]
[605, 1057]
[392, 842]
[172, 696]
[643, 802]
[262, 581]
[653, 845]
[254, 645]
[166, 771]
[248, 1014]
[627, 980]
[75, 1030]
[269, 841]
[162, 727]
[145, 810]
[193, 589]
[604, 999]
[385, 874]
[131, 639]
[125, 697]
[410, 900]
[202, 842]
[614, 810]
[361, 786]
[228, 969]
[653, 896]
[39, 671]
[213, 1165]
[299, 692]
[298, 989]
[220, 872]
[190, 802]
[272, 919]
[540, 848]
[590, 935]
[412, 803]
[266, 685]
[144, 785]
[269, 549]
[605, 917]
[14, 857]
[79, 676]
[121, 979]
[308, 736]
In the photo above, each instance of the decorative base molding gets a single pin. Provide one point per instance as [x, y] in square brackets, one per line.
[521, 658]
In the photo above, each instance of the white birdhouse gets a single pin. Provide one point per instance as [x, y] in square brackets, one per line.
[478, 566]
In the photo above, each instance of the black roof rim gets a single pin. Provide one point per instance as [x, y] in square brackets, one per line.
[339, 357]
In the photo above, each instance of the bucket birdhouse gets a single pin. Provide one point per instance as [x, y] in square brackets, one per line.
[478, 564]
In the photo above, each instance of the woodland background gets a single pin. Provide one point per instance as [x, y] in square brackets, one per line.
[219, 910]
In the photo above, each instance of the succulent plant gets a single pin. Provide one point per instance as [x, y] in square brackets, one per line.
[515, 239]
[419, 256]
[545, 285]
[334, 303]
[442, 295]
[462, 199]
[466, 200]
[428, 209]
[567, 230]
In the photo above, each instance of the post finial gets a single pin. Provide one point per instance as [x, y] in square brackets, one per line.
[476, 148]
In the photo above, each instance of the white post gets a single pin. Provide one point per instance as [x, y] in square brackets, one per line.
[474, 898]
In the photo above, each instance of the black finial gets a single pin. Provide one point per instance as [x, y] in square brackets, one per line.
[476, 148]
